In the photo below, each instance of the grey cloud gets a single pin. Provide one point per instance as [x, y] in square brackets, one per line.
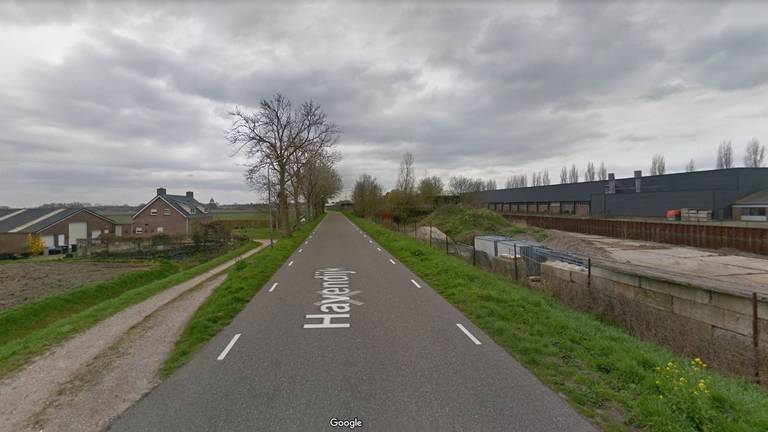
[733, 59]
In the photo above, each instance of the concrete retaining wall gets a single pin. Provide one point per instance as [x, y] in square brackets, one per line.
[691, 321]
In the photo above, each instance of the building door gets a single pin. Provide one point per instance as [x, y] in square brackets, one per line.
[77, 231]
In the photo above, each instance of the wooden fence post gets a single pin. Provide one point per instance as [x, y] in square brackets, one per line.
[756, 337]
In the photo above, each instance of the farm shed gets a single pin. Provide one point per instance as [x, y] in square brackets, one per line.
[56, 227]
[717, 191]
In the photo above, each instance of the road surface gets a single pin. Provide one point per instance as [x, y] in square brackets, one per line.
[344, 331]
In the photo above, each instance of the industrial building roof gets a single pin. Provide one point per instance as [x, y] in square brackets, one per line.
[757, 198]
[36, 219]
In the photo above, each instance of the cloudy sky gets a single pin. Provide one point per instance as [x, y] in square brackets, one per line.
[104, 103]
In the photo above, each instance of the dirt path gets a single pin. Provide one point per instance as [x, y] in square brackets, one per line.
[122, 374]
[25, 394]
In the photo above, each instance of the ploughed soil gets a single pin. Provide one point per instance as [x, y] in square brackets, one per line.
[22, 282]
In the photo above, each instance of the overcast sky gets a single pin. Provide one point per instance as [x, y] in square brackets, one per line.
[105, 103]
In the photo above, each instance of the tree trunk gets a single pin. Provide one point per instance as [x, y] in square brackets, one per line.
[282, 202]
[296, 207]
[310, 213]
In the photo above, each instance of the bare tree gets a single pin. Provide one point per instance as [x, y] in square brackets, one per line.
[602, 172]
[590, 174]
[545, 178]
[725, 155]
[573, 174]
[459, 185]
[658, 165]
[517, 181]
[273, 135]
[490, 184]
[406, 179]
[754, 154]
[564, 175]
[690, 166]
[320, 182]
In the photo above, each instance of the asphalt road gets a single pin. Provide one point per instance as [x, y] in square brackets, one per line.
[392, 355]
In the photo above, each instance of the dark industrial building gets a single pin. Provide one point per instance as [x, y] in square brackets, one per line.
[641, 196]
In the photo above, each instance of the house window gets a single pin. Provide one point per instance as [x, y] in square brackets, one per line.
[139, 230]
[167, 212]
[754, 211]
[159, 229]
[192, 210]
[153, 212]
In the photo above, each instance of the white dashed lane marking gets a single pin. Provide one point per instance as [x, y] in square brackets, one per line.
[290, 263]
[469, 335]
[229, 347]
[392, 261]
[273, 287]
[415, 283]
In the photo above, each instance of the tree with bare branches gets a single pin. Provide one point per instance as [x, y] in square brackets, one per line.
[754, 154]
[573, 174]
[602, 172]
[725, 155]
[590, 174]
[274, 135]
[690, 166]
[658, 164]
[563, 175]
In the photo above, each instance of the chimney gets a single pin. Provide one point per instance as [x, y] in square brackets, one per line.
[638, 181]
[161, 191]
[190, 195]
[611, 183]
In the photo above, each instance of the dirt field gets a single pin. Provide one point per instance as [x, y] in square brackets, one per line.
[23, 282]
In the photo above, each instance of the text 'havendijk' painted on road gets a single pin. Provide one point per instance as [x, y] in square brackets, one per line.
[335, 300]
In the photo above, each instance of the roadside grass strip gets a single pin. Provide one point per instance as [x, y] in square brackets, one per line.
[66, 315]
[228, 299]
[616, 380]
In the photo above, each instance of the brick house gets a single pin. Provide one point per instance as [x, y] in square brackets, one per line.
[169, 214]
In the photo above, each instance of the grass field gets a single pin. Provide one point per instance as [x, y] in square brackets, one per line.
[23, 281]
[228, 299]
[619, 382]
[239, 215]
[32, 329]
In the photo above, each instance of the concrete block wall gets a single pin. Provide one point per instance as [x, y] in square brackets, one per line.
[688, 320]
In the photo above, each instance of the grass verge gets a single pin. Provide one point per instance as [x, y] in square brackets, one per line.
[33, 340]
[229, 298]
[617, 381]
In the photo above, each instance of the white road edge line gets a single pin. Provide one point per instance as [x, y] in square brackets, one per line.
[273, 287]
[378, 249]
[290, 263]
[415, 283]
[370, 241]
[229, 347]
[466, 332]
[392, 261]
[301, 250]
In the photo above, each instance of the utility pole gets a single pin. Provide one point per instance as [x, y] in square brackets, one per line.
[269, 205]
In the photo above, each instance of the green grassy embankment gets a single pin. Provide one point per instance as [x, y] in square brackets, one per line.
[461, 222]
[31, 329]
[244, 280]
[617, 381]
